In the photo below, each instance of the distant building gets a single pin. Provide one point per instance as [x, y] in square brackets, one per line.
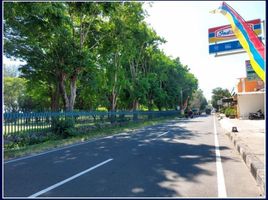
[246, 85]
[250, 97]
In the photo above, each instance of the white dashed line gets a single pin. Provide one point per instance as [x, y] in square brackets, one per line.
[68, 179]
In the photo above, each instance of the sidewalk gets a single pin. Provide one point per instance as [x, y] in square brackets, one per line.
[250, 143]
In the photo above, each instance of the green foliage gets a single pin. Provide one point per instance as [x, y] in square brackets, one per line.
[222, 110]
[85, 55]
[14, 141]
[230, 112]
[218, 94]
[14, 89]
[63, 127]
[198, 101]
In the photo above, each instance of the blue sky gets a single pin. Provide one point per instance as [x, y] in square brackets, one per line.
[185, 24]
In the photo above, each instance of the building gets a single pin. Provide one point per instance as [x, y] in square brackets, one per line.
[250, 97]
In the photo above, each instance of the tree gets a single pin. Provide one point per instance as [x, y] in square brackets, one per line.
[198, 100]
[218, 94]
[60, 47]
[84, 55]
[14, 89]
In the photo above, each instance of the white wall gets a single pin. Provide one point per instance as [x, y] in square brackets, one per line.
[249, 103]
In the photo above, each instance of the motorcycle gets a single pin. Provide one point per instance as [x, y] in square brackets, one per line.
[257, 115]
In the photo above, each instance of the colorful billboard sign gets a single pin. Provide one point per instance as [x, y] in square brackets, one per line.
[251, 74]
[223, 33]
[225, 46]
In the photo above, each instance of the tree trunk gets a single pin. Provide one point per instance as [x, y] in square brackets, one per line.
[113, 99]
[134, 108]
[68, 100]
[150, 106]
[73, 92]
[55, 97]
[135, 105]
[62, 78]
[150, 102]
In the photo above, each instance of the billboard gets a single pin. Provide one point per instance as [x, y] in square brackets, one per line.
[225, 46]
[223, 33]
[251, 74]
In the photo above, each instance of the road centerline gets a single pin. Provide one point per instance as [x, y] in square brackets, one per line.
[220, 175]
[69, 179]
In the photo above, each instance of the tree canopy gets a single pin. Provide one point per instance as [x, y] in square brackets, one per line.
[86, 55]
[218, 94]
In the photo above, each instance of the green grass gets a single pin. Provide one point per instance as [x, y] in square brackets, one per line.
[51, 144]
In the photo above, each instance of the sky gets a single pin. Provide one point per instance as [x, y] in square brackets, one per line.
[185, 24]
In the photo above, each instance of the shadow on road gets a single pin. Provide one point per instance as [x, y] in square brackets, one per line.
[144, 164]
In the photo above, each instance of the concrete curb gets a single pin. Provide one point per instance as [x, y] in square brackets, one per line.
[255, 166]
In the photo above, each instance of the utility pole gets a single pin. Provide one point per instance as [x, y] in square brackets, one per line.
[181, 103]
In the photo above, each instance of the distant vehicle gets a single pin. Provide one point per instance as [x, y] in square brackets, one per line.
[196, 111]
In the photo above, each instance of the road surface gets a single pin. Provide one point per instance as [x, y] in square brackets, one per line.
[180, 158]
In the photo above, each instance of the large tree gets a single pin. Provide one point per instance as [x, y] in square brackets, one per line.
[55, 40]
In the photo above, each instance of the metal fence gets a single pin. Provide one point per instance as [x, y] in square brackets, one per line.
[42, 122]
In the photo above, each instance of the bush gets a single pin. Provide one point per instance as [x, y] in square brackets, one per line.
[227, 112]
[20, 140]
[230, 112]
[63, 128]
[222, 110]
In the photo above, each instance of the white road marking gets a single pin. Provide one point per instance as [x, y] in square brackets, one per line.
[162, 134]
[68, 179]
[220, 175]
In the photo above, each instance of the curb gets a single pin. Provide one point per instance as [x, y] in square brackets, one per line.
[255, 166]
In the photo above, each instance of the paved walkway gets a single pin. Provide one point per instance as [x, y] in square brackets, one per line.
[249, 142]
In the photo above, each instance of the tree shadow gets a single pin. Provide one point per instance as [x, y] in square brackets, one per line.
[144, 165]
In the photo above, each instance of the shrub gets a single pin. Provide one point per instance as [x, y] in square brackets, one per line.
[226, 112]
[20, 140]
[222, 110]
[230, 112]
[63, 128]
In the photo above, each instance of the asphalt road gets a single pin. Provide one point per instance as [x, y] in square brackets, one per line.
[174, 159]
